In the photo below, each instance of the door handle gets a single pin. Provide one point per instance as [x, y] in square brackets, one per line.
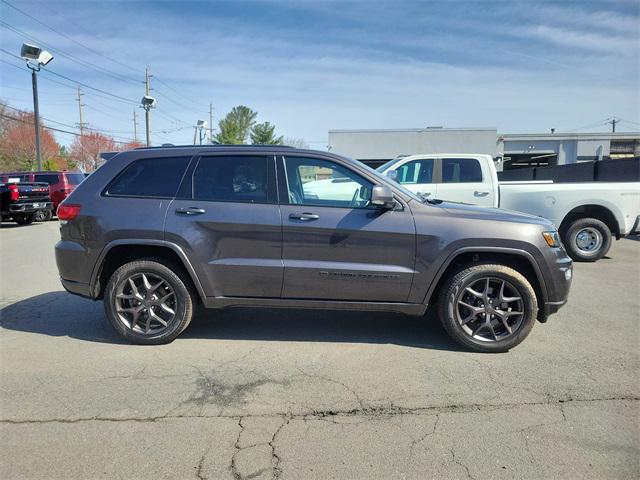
[480, 194]
[190, 211]
[305, 217]
[424, 194]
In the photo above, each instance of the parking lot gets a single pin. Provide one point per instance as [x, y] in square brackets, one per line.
[313, 394]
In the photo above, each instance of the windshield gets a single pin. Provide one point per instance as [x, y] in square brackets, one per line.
[390, 182]
[386, 165]
[75, 178]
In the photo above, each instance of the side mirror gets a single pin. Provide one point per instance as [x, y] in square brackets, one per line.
[393, 175]
[382, 197]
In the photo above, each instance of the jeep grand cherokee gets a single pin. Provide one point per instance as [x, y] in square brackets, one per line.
[156, 231]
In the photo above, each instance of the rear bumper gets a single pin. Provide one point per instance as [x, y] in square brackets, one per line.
[71, 259]
[30, 207]
[76, 288]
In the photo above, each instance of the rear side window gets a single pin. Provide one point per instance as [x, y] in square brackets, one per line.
[75, 178]
[461, 170]
[231, 179]
[50, 178]
[150, 177]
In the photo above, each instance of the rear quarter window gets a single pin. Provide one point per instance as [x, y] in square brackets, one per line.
[149, 177]
[461, 170]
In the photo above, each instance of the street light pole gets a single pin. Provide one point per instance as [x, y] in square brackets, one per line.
[35, 58]
[36, 114]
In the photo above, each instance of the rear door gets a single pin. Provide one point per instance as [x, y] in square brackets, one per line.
[227, 220]
[463, 181]
[335, 245]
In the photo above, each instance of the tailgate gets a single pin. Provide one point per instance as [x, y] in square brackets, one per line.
[33, 191]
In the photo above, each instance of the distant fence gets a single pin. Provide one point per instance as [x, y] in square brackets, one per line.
[619, 170]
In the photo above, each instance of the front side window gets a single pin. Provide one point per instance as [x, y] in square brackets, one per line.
[50, 178]
[416, 172]
[231, 179]
[461, 170]
[312, 181]
[150, 177]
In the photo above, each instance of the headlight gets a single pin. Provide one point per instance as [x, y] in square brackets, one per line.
[552, 239]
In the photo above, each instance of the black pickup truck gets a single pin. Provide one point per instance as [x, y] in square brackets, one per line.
[25, 202]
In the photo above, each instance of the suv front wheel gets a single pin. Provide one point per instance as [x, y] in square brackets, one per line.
[147, 302]
[488, 308]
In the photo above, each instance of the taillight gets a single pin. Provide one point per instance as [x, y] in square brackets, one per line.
[68, 212]
[13, 189]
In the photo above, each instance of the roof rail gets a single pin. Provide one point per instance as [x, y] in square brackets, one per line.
[214, 145]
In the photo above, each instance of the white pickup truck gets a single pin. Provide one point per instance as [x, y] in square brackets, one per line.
[588, 215]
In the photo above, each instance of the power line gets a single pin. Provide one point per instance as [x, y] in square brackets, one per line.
[48, 128]
[177, 92]
[76, 82]
[62, 34]
[73, 58]
[85, 126]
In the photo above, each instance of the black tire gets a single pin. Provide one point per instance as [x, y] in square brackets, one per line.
[24, 219]
[42, 216]
[590, 230]
[183, 307]
[455, 287]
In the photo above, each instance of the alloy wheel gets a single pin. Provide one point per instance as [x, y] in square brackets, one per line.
[490, 309]
[146, 303]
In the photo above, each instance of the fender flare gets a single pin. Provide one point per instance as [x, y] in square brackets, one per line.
[97, 270]
[503, 250]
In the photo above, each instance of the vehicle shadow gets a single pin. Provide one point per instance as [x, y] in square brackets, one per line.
[60, 314]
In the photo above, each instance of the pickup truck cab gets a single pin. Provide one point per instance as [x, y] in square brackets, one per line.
[156, 231]
[23, 202]
[588, 215]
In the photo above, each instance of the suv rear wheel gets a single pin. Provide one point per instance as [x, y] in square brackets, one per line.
[488, 308]
[147, 302]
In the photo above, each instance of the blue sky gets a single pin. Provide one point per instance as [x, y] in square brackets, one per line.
[313, 66]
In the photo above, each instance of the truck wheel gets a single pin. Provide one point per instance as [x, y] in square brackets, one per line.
[587, 240]
[43, 216]
[488, 308]
[24, 219]
[147, 303]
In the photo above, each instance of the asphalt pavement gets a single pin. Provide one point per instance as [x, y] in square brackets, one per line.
[293, 394]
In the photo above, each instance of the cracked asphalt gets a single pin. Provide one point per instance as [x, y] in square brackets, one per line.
[263, 394]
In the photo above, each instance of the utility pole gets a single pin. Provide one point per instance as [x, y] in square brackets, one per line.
[81, 126]
[80, 105]
[210, 122]
[135, 126]
[147, 113]
[612, 121]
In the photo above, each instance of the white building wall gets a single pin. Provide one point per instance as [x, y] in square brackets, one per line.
[387, 144]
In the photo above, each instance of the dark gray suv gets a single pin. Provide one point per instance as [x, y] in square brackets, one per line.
[156, 231]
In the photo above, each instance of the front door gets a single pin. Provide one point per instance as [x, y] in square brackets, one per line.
[418, 176]
[335, 245]
[227, 220]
